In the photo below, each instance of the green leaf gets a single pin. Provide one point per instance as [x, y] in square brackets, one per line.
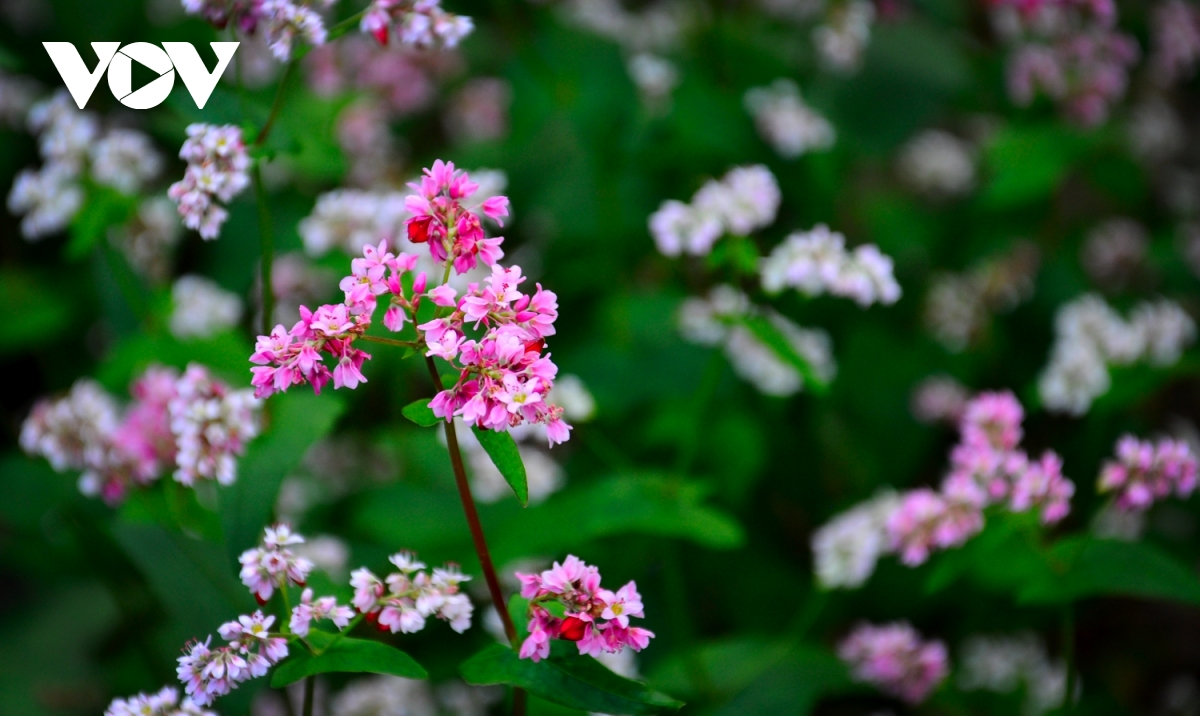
[1027, 164]
[502, 449]
[38, 312]
[104, 208]
[793, 685]
[766, 332]
[575, 681]
[1088, 567]
[419, 413]
[345, 655]
[298, 419]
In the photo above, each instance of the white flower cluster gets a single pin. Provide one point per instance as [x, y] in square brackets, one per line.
[718, 320]
[745, 199]
[785, 122]
[1155, 131]
[211, 424]
[843, 38]
[72, 432]
[656, 26]
[163, 703]
[816, 262]
[379, 695]
[72, 141]
[202, 308]
[937, 164]
[412, 595]
[959, 306]
[283, 21]
[1114, 250]
[1090, 336]
[17, 95]
[939, 399]
[148, 238]
[348, 219]
[846, 549]
[1004, 663]
[217, 165]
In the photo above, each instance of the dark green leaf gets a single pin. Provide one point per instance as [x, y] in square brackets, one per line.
[298, 419]
[345, 655]
[502, 449]
[792, 685]
[572, 680]
[1088, 567]
[104, 208]
[419, 413]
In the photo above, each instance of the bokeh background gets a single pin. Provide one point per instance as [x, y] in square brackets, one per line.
[997, 208]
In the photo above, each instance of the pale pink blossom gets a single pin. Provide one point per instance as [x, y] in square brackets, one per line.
[309, 610]
[272, 565]
[1145, 472]
[217, 170]
[894, 658]
[412, 595]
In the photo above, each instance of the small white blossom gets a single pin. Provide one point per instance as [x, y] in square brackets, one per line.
[202, 308]
[785, 122]
[817, 262]
[937, 164]
[846, 548]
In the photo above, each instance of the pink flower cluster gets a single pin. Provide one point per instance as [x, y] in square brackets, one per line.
[986, 468]
[1175, 41]
[895, 659]
[453, 229]
[411, 596]
[163, 703]
[1145, 471]
[310, 610]
[596, 619]
[194, 423]
[280, 21]
[419, 23]
[1072, 54]
[216, 171]
[211, 672]
[272, 565]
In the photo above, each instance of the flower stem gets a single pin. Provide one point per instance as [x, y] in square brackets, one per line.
[481, 548]
[389, 341]
[308, 695]
[1068, 651]
[275, 105]
[267, 239]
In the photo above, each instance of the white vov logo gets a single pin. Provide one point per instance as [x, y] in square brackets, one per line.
[118, 60]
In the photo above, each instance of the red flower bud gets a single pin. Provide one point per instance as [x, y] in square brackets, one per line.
[572, 629]
[418, 229]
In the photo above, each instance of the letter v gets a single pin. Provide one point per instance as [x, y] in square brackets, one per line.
[80, 83]
[196, 77]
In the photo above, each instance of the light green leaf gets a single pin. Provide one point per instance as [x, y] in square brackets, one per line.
[419, 413]
[766, 332]
[568, 679]
[502, 449]
[345, 655]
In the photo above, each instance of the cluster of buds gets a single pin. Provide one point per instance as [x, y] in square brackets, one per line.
[405, 599]
[272, 565]
[280, 21]
[817, 262]
[895, 659]
[596, 619]
[165, 702]
[417, 23]
[217, 165]
[252, 650]
[986, 468]
[1144, 472]
[194, 423]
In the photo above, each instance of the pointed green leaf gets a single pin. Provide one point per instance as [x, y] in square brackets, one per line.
[419, 413]
[502, 449]
[575, 681]
[345, 655]
[1088, 567]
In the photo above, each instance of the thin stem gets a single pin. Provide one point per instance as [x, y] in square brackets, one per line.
[468, 503]
[1068, 649]
[308, 695]
[275, 105]
[267, 238]
[389, 341]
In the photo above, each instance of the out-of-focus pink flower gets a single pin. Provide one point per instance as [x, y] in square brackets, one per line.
[207, 673]
[1144, 472]
[419, 23]
[895, 659]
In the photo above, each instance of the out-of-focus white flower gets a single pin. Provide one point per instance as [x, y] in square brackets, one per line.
[939, 399]
[1156, 133]
[384, 696]
[785, 122]
[327, 553]
[17, 95]
[744, 200]
[1117, 524]
[656, 26]
[846, 548]
[655, 77]
[958, 306]
[459, 698]
[125, 159]
[843, 38]
[49, 198]
[479, 111]
[1004, 663]
[937, 164]
[202, 308]
[570, 394]
[148, 238]
[348, 219]
[1114, 250]
[816, 262]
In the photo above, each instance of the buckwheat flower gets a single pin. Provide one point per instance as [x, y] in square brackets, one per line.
[380, 695]
[1155, 131]
[453, 230]
[678, 228]
[912, 526]
[760, 364]
[938, 399]
[846, 549]
[418, 23]
[816, 262]
[74, 430]
[308, 611]
[325, 552]
[1042, 484]
[843, 39]
[65, 132]
[1114, 251]
[217, 165]
[1174, 41]
[894, 658]
[212, 424]
[543, 475]
[993, 419]
[655, 78]
[657, 26]
[164, 702]
[1166, 328]
[125, 160]
[49, 198]
[208, 673]
[576, 400]
[202, 308]
[1075, 376]
[1144, 472]
[937, 164]
[785, 122]
[479, 111]
[596, 619]
[746, 199]
[273, 565]
[17, 95]
[412, 595]
[147, 240]
[283, 21]
[348, 219]
[1004, 663]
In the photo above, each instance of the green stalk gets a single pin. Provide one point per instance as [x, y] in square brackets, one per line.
[267, 238]
[308, 695]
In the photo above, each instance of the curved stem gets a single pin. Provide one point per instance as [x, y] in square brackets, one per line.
[275, 105]
[267, 238]
[389, 341]
[308, 696]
